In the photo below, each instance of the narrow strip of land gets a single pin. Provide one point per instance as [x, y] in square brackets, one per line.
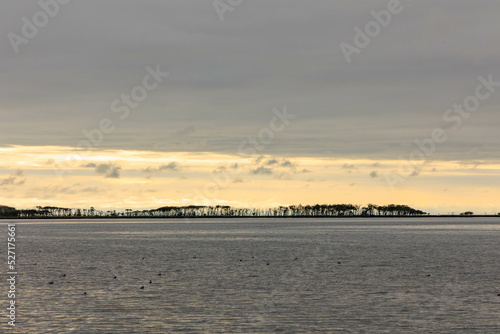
[223, 211]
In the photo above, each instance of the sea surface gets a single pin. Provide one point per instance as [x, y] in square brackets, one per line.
[400, 275]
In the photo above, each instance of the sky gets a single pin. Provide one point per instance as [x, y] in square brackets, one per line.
[128, 104]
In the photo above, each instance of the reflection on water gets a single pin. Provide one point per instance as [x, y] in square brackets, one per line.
[258, 276]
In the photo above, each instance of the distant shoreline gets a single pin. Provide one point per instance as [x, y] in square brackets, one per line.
[250, 217]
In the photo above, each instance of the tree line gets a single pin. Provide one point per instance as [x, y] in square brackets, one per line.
[317, 210]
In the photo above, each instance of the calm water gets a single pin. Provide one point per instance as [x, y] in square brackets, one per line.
[256, 276]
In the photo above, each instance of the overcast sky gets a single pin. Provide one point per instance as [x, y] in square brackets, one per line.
[226, 77]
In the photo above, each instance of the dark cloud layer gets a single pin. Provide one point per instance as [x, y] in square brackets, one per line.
[226, 77]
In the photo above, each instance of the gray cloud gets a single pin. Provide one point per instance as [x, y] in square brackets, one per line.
[287, 163]
[103, 168]
[259, 159]
[174, 166]
[114, 173]
[11, 180]
[349, 166]
[14, 180]
[284, 176]
[171, 166]
[109, 170]
[374, 174]
[262, 171]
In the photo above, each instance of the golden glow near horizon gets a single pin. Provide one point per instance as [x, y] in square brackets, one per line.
[118, 179]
